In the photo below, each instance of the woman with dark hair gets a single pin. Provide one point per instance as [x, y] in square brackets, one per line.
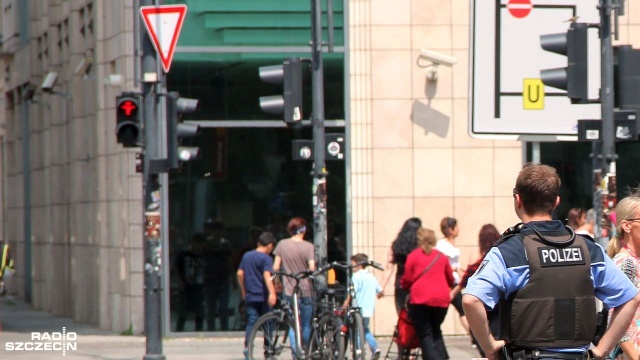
[486, 238]
[402, 246]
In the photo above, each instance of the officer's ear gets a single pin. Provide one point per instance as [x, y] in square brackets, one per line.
[557, 202]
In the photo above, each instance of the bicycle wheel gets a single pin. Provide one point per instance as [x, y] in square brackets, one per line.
[268, 339]
[359, 344]
[327, 341]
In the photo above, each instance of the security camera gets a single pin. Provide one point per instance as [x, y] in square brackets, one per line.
[437, 58]
[49, 82]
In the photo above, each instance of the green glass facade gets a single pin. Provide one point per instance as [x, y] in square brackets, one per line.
[245, 177]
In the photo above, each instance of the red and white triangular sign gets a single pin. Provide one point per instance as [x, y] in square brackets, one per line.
[163, 24]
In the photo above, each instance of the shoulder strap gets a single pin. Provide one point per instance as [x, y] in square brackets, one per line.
[429, 266]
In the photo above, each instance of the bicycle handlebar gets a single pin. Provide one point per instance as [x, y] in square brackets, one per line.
[299, 276]
[344, 266]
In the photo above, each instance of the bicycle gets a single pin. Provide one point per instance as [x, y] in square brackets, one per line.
[353, 324]
[329, 326]
[270, 333]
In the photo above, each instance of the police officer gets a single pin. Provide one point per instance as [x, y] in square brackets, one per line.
[544, 279]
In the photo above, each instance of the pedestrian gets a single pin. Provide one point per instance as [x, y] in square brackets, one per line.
[576, 217]
[218, 274]
[189, 268]
[401, 247]
[486, 238]
[623, 248]
[428, 279]
[296, 254]
[588, 228]
[367, 290]
[256, 287]
[546, 279]
[447, 245]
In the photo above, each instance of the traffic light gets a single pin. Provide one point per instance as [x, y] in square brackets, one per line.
[128, 124]
[289, 104]
[177, 130]
[574, 78]
[627, 77]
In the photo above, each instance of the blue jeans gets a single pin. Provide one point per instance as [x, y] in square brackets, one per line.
[254, 309]
[305, 306]
[369, 336]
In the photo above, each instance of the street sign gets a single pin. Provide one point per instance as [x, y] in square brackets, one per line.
[519, 8]
[163, 25]
[507, 98]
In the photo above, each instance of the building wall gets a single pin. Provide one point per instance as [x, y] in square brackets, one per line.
[411, 154]
[85, 195]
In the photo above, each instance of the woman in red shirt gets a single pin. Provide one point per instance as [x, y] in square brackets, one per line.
[428, 278]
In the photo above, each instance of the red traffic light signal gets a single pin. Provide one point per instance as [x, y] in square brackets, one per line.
[128, 120]
[128, 108]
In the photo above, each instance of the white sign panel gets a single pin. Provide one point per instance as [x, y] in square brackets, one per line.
[507, 97]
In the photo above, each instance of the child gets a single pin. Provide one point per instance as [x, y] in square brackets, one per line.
[367, 289]
[256, 286]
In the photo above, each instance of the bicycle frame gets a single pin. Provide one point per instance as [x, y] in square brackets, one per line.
[297, 347]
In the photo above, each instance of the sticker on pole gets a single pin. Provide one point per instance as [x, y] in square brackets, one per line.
[163, 25]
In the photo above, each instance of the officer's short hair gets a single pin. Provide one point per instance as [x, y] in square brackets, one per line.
[538, 187]
[266, 238]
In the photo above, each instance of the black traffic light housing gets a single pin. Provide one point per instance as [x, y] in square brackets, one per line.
[177, 130]
[627, 81]
[289, 104]
[575, 77]
[128, 120]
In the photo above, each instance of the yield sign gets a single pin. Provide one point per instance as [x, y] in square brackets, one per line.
[163, 24]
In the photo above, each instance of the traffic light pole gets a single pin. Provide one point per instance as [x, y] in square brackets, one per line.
[607, 87]
[607, 107]
[319, 170]
[151, 203]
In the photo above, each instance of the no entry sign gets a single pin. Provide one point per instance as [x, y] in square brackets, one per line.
[519, 8]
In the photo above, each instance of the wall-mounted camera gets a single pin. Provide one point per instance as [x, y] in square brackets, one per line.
[49, 82]
[435, 59]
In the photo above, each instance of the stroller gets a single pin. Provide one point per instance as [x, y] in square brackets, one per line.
[406, 338]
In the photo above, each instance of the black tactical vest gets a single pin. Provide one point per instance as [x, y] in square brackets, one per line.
[557, 307]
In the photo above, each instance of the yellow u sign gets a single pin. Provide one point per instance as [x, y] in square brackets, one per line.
[533, 94]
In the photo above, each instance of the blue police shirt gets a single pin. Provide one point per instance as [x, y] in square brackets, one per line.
[505, 270]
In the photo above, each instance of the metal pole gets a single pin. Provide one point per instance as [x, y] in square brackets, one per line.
[596, 159]
[607, 101]
[606, 89]
[151, 202]
[319, 171]
[26, 171]
[535, 152]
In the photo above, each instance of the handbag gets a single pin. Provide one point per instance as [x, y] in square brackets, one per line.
[406, 333]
